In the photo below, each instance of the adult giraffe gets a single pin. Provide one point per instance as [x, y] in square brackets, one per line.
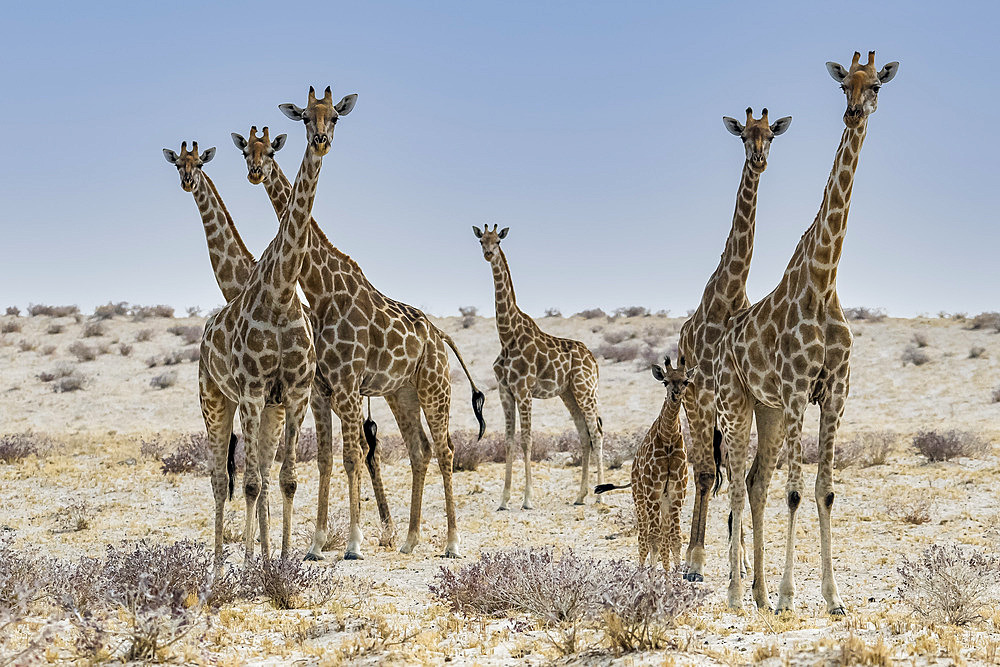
[789, 349]
[724, 295]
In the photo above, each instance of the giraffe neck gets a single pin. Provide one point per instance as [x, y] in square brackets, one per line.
[506, 303]
[668, 424]
[232, 263]
[285, 255]
[823, 242]
[727, 286]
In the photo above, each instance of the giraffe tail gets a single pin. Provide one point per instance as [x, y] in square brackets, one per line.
[231, 463]
[717, 455]
[371, 435]
[602, 488]
[478, 398]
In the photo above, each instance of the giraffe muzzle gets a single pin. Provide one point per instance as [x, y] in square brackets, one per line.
[187, 184]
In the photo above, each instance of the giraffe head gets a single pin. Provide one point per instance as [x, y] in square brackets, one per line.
[189, 163]
[861, 84]
[490, 240]
[320, 117]
[756, 136]
[258, 152]
[675, 380]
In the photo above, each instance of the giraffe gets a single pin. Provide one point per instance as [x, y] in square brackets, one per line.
[724, 295]
[789, 349]
[367, 345]
[231, 262]
[659, 473]
[257, 354]
[534, 364]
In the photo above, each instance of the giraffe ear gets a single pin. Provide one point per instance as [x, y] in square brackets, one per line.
[781, 125]
[837, 71]
[208, 154]
[658, 374]
[170, 155]
[734, 126]
[345, 105]
[503, 232]
[690, 374]
[239, 141]
[279, 142]
[886, 74]
[292, 111]
[475, 230]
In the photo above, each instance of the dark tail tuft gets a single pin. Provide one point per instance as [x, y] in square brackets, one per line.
[600, 424]
[601, 488]
[478, 399]
[717, 455]
[231, 464]
[371, 432]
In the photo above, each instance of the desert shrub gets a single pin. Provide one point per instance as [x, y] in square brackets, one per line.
[641, 603]
[947, 445]
[82, 351]
[468, 314]
[867, 449]
[616, 336]
[47, 350]
[469, 452]
[566, 592]
[914, 355]
[865, 314]
[55, 328]
[189, 334]
[52, 311]
[591, 313]
[632, 311]
[193, 311]
[60, 371]
[163, 380]
[988, 320]
[125, 349]
[153, 448]
[93, 329]
[950, 584]
[152, 362]
[74, 517]
[26, 345]
[191, 454]
[920, 339]
[69, 383]
[21, 582]
[995, 396]
[553, 312]
[291, 584]
[142, 335]
[619, 447]
[912, 507]
[10, 326]
[977, 352]
[139, 313]
[110, 309]
[13, 310]
[306, 450]
[17, 446]
[628, 350]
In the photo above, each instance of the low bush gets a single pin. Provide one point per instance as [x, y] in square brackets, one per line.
[914, 355]
[468, 314]
[26, 345]
[139, 313]
[93, 329]
[110, 309]
[163, 380]
[553, 312]
[865, 314]
[291, 584]
[60, 371]
[977, 352]
[17, 446]
[36, 309]
[950, 584]
[69, 383]
[55, 328]
[189, 334]
[47, 350]
[947, 445]
[10, 326]
[125, 349]
[912, 508]
[142, 335]
[920, 339]
[632, 311]
[591, 313]
[988, 320]
[13, 310]
[82, 351]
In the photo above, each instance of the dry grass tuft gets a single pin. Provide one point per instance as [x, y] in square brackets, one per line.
[948, 445]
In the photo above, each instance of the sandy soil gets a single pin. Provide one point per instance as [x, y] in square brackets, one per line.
[98, 461]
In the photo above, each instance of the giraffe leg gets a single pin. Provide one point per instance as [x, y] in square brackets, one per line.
[585, 393]
[218, 412]
[735, 415]
[510, 427]
[524, 412]
[272, 418]
[350, 427]
[319, 401]
[666, 532]
[830, 415]
[793, 409]
[405, 407]
[654, 518]
[673, 520]
[642, 523]
[580, 421]
[295, 412]
[373, 461]
[250, 419]
[701, 422]
[437, 420]
[770, 431]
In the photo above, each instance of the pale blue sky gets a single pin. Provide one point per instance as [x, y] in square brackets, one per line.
[592, 130]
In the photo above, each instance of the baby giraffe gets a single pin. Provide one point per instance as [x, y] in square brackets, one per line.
[660, 474]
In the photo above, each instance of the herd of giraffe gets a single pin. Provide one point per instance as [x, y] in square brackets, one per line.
[268, 356]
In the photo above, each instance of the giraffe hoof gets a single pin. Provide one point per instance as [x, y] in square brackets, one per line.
[838, 611]
[693, 576]
[451, 554]
[406, 548]
[353, 555]
[578, 502]
[310, 556]
[527, 506]
[502, 508]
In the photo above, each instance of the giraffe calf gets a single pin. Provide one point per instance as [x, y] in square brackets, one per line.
[660, 474]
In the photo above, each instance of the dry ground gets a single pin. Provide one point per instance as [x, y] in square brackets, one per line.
[98, 461]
